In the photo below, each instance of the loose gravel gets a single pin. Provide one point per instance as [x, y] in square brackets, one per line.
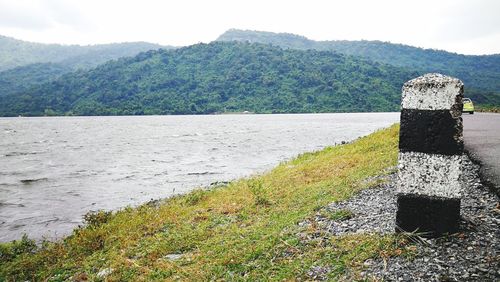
[473, 254]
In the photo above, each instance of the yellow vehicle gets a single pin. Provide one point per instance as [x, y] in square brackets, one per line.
[468, 106]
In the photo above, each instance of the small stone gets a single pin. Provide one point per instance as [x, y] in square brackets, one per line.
[173, 256]
[105, 272]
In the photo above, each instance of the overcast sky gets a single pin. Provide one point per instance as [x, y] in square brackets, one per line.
[467, 27]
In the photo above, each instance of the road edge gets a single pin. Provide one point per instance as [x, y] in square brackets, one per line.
[484, 176]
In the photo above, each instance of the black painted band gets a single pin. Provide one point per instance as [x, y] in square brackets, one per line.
[428, 216]
[433, 132]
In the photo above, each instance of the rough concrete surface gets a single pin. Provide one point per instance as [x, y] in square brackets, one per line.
[430, 216]
[434, 132]
[431, 123]
[429, 174]
[433, 91]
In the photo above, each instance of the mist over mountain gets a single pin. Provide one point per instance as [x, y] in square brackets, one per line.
[16, 53]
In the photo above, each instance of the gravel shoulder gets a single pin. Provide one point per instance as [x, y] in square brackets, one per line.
[471, 255]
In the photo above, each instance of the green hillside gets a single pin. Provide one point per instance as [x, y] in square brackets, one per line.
[218, 77]
[16, 53]
[22, 78]
[266, 72]
[26, 64]
[481, 74]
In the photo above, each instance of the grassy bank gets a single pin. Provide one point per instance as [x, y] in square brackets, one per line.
[246, 230]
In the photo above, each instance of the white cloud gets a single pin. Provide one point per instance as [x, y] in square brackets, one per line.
[462, 26]
[23, 15]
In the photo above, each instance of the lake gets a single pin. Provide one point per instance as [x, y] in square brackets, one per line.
[53, 170]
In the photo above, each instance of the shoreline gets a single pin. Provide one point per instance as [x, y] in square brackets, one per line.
[211, 114]
[133, 160]
[218, 233]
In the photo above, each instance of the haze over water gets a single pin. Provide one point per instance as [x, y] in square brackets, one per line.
[54, 170]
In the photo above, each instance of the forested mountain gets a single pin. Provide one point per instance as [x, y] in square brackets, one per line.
[16, 53]
[26, 64]
[287, 73]
[20, 79]
[481, 74]
[218, 77]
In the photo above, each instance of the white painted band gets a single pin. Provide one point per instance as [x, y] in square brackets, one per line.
[429, 174]
[432, 92]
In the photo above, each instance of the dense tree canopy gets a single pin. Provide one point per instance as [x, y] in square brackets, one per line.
[218, 77]
[481, 74]
[23, 78]
[242, 71]
[25, 64]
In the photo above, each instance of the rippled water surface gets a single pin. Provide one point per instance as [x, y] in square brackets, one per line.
[54, 170]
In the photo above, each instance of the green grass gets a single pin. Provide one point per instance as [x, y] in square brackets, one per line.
[245, 230]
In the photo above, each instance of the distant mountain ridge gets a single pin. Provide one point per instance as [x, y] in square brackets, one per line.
[16, 53]
[481, 74]
[25, 64]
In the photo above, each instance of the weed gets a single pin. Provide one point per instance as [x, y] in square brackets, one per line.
[96, 218]
[9, 251]
[258, 192]
[194, 197]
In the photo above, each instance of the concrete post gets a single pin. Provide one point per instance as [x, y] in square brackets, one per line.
[430, 156]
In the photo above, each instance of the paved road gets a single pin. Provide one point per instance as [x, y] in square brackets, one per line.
[482, 141]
